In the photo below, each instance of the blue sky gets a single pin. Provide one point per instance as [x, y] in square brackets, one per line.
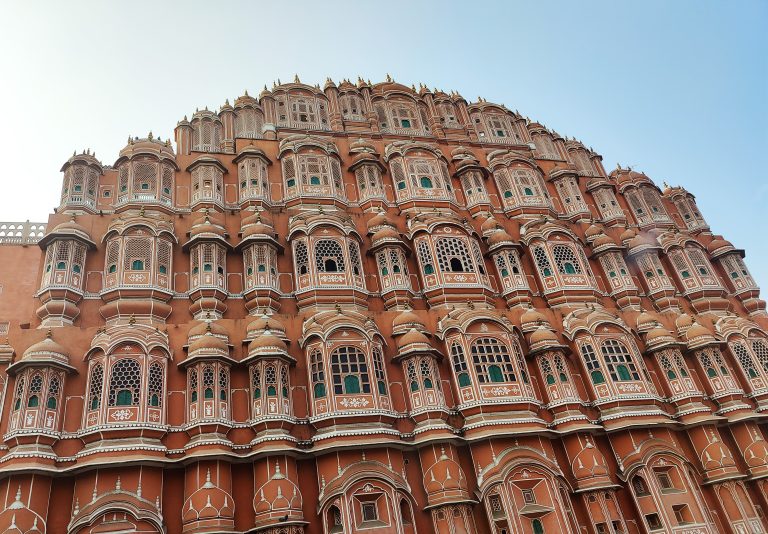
[675, 89]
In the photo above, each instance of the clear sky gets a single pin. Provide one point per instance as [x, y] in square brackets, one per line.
[677, 89]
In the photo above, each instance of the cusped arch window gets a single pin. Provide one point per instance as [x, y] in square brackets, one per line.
[450, 258]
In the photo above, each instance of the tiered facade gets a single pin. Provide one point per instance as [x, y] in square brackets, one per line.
[372, 308]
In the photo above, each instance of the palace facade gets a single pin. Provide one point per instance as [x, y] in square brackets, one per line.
[375, 308]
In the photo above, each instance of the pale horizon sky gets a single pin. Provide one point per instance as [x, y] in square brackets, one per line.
[678, 90]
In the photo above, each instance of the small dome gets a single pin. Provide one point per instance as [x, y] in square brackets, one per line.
[697, 331]
[208, 343]
[543, 334]
[380, 219]
[657, 335]
[532, 318]
[257, 217]
[593, 231]
[603, 240]
[683, 322]
[412, 339]
[362, 145]
[718, 244]
[267, 344]
[46, 350]
[626, 235]
[213, 327]
[406, 321]
[698, 336]
[498, 237]
[646, 321]
[386, 233]
[262, 324]
[68, 228]
[489, 225]
[208, 227]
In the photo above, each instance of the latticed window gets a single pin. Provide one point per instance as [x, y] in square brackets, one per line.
[690, 213]
[593, 364]
[54, 388]
[520, 188]
[653, 201]
[35, 390]
[545, 147]
[673, 365]
[354, 258]
[137, 254]
[460, 365]
[737, 272]
[508, 264]
[301, 258]
[495, 128]
[713, 363]
[95, 386]
[349, 371]
[493, 361]
[474, 189]
[424, 173]
[425, 258]
[207, 183]
[620, 363]
[566, 260]
[254, 182]
[352, 107]
[315, 175]
[369, 182]
[19, 395]
[653, 271]
[542, 261]
[453, 255]
[607, 204]
[193, 384]
[317, 374]
[206, 135]
[125, 383]
[582, 161]
[752, 355]
[249, 123]
[571, 197]
[448, 116]
[155, 385]
[378, 371]
[329, 257]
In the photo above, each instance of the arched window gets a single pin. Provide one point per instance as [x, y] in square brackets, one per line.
[453, 255]
[460, 365]
[329, 257]
[208, 382]
[53, 393]
[425, 256]
[566, 260]
[593, 365]
[125, 383]
[639, 486]
[301, 258]
[96, 386]
[155, 385]
[537, 527]
[619, 361]
[35, 389]
[317, 374]
[349, 371]
[256, 382]
[493, 361]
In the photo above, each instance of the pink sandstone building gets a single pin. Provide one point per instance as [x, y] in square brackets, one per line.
[375, 308]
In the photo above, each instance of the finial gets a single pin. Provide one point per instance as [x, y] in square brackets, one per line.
[49, 334]
[149, 135]
[389, 78]
[338, 308]
[666, 185]
[296, 78]
[118, 483]
[278, 475]
[246, 91]
[132, 320]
